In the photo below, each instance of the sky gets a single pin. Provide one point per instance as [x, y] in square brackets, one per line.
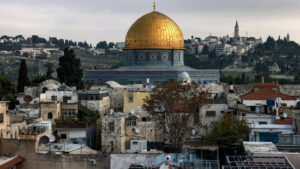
[98, 20]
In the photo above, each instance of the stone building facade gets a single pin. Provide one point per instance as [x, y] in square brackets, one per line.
[94, 100]
[133, 99]
[50, 111]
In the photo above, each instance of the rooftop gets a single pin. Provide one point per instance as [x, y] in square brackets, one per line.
[263, 85]
[58, 148]
[265, 94]
[92, 91]
[6, 162]
[258, 147]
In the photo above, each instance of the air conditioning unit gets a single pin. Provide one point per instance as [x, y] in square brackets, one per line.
[93, 162]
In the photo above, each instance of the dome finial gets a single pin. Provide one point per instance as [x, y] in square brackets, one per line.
[154, 6]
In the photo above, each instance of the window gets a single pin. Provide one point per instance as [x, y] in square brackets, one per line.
[252, 108]
[210, 113]
[69, 113]
[130, 98]
[111, 126]
[262, 122]
[63, 136]
[66, 98]
[54, 98]
[1, 118]
[131, 122]
[283, 104]
[44, 90]
[50, 115]
[144, 119]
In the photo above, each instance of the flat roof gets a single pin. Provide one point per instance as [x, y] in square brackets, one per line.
[255, 147]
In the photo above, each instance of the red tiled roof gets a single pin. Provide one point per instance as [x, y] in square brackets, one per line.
[12, 162]
[265, 94]
[284, 121]
[262, 85]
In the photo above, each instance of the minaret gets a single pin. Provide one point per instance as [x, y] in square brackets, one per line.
[236, 30]
[154, 6]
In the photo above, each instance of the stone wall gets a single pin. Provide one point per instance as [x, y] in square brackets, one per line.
[123, 161]
[25, 149]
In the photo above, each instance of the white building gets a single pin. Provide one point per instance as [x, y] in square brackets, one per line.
[94, 100]
[256, 101]
[224, 49]
[59, 96]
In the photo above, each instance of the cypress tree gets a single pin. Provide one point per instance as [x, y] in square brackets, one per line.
[69, 71]
[23, 79]
[49, 73]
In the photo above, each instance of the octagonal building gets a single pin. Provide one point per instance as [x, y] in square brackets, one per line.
[154, 49]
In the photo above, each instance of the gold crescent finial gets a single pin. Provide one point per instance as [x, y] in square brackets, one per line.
[154, 6]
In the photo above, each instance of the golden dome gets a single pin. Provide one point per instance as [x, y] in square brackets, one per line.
[154, 31]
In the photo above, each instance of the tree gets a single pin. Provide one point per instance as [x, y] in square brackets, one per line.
[172, 107]
[205, 50]
[245, 59]
[270, 43]
[101, 45]
[228, 134]
[243, 78]
[7, 88]
[111, 45]
[69, 70]
[297, 79]
[49, 72]
[23, 79]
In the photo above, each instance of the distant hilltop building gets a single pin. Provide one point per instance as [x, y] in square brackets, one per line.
[236, 30]
[288, 37]
[225, 45]
[154, 49]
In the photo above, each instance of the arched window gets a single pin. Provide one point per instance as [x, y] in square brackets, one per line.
[50, 115]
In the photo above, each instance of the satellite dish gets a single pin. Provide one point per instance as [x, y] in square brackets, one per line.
[111, 111]
[137, 130]
[168, 158]
[132, 112]
[47, 139]
[27, 99]
[285, 115]
[193, 132]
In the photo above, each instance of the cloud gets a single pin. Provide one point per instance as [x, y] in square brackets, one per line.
[96, 20]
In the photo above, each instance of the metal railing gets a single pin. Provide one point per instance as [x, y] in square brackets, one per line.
[201, 164]
[176, 160]
[288, 139]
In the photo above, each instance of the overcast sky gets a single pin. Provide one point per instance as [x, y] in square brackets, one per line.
[96, 20]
